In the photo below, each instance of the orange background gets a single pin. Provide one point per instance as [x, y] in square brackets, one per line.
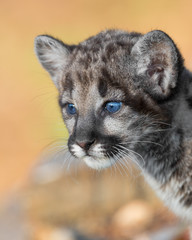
[29, 115]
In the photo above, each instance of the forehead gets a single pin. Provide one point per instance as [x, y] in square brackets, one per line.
[88, 90]
[100, 63]
[87, 72]
[87, 97]
[108, 50]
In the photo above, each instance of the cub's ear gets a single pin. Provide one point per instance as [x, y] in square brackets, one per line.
[53, 55]
[157, 63]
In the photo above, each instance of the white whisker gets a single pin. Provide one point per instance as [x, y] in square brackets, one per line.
[131, 151]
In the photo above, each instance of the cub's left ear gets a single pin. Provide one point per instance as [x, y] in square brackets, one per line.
[157, 63]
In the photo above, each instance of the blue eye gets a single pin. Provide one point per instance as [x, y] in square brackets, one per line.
[113, 107]
[71, 109]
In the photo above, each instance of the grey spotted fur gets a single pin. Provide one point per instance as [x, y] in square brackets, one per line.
[154, 125]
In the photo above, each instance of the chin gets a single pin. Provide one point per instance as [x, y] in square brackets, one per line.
[98, 163]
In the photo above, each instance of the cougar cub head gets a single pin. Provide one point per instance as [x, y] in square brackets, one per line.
[110, 87]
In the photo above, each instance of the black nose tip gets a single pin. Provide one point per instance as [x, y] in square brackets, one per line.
[85, 144]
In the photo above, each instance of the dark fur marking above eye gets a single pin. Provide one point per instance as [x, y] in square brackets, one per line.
[189, 101]
[105, 75]
[102, 87]
[68, 83]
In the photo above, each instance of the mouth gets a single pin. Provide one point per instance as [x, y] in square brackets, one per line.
[98, 163]
[95, 158]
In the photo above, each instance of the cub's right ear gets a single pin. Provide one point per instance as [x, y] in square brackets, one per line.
[53, 55]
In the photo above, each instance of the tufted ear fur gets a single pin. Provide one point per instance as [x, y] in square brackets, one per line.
[53, 55]
[157, 63]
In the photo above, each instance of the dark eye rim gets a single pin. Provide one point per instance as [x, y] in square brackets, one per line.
[68, 110]
[64, 106]
[112, 101]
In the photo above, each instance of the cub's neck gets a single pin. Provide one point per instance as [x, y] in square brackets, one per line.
[162, 160]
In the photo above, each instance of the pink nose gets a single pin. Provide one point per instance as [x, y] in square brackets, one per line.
[85, 145]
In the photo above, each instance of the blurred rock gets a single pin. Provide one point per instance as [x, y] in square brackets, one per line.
[83, 205]
[133, 217]
[44, 232]
[51, 233]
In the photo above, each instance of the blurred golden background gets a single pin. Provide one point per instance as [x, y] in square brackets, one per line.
[29, 115]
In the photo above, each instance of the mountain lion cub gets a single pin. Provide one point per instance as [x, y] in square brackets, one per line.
[127, 96]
